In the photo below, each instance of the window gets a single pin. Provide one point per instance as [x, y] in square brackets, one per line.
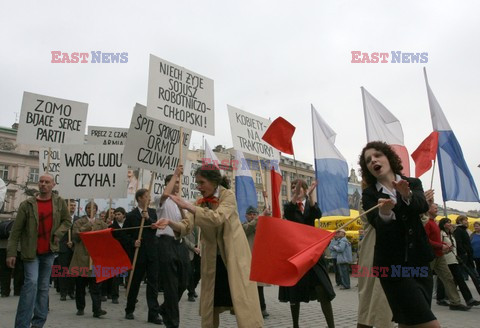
[284, 190]
[33, 176]
[3, 172]
[259, 197]
[33, 152]
[258, 179]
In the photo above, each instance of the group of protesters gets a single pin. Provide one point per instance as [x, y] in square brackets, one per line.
[394, 236]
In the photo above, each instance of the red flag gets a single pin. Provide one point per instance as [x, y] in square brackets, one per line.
[108, 256]
[276, 178]
[425, 154]
[279, 135]
[283, 251]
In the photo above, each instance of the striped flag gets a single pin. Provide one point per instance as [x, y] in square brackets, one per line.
[456, 179]
[245, 191]
[331, 170]
[382, 125]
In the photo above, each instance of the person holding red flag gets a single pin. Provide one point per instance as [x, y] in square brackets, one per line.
[401, 241]
[226, 257]
[315, 284]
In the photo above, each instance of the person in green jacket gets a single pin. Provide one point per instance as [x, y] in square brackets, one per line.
[40, 224]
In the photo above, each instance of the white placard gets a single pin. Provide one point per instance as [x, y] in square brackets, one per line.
[51, 122]
[92, 171]
[154, 145]
[53, 167]
[189, 187]
[180, 97]
[247, 131]
[101, 135]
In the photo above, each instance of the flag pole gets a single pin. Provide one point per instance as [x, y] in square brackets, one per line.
[295, 164]
[264, 192]
[135, 256]
[433, 172]
[48, 159]
[69, 229]
[357, 217]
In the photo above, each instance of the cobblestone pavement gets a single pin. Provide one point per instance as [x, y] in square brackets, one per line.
[62, 314]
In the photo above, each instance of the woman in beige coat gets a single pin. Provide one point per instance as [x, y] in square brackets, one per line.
[226, 257]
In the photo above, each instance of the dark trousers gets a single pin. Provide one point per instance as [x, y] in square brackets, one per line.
[174, 270]
[6, 274]
[110, 287]
[459, 281]
[65, 284]
[95, 293]
[261, 296]
[148, 266]
[194, 276]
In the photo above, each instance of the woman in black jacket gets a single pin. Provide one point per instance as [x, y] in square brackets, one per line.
[401, 249]
[315, 284]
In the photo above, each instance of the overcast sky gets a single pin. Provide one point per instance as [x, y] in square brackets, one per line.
[271, 58]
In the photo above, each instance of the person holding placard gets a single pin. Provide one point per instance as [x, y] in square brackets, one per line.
[82, 263]
[174, 263]
[147, 260]
[226, 257]
[40, 224]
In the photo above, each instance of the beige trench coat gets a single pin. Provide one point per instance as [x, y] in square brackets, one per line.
[373, 308]
[222, 231]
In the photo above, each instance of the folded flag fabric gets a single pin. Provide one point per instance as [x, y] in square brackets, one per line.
[425, 154]
[108, 256]
[283, 251]
[279, 135]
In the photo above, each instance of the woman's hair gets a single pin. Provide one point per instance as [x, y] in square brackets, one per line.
[460, 218]
[442, 222]
[212, 174]
[393, 159]
[139, 193]
[476, 223]
[303, 183]
[89, 205]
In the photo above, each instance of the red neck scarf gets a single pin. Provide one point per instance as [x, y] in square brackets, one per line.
[208, 201]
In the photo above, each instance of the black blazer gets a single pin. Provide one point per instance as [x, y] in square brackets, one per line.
[402, 241]
[120, 236]
[291, 212]
[147, 248]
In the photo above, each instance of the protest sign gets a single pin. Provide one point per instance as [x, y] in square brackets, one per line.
[51, 122]
[247, 131]
[154, 145]
[189, 186]
[90, 171]
[101, 135]
[53, 164]
[180, 97]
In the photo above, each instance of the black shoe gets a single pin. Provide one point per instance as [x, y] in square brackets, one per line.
[458, 307]
[473, 303]
[63, 298]
[99, 313]
[114, 300]
[265, 313]
[129, 316]
[72, 296]
[442, 303]
[80, 312]
[156, 320]
[191, 298]
[103, 298]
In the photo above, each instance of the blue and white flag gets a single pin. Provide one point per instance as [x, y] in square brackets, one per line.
[456, 179]
[244, 187]
[331, 170]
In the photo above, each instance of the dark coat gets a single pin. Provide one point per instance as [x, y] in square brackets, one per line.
[304, 290]
[464, 247]
[402, 241]
[63, 248]
[148, 244]
[120, 236]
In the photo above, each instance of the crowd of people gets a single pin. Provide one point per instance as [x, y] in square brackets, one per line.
[206, 242]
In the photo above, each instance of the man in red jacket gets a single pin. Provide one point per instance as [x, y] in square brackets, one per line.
[439, 264]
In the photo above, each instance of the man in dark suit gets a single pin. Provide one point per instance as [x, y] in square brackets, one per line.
[147, 260]
[65, 253]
